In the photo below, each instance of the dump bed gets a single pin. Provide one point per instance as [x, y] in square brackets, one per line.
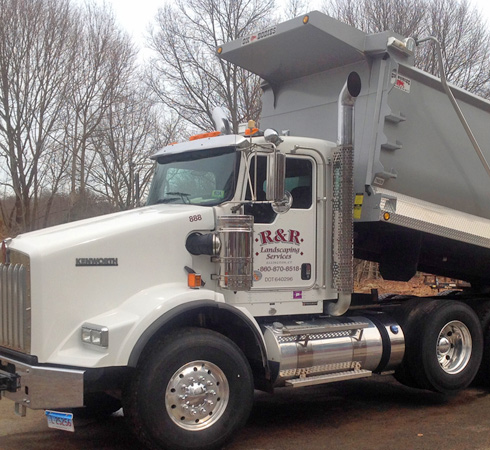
[408, 138]
[412, 155]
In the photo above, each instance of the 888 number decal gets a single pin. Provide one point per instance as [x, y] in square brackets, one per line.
[195, 218]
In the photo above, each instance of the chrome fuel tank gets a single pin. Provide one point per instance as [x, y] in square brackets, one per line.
[334, 345]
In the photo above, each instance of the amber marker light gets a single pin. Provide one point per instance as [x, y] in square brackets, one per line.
[204, 135]
[251, 131]
[220, 50]
[386, 216]
[194, 280]
[306, 19]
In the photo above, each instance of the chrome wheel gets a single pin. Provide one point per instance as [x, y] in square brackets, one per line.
[193, 389]
[197, 395]
[454, 346]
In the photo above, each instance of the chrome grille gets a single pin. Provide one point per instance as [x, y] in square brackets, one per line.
[15, 304]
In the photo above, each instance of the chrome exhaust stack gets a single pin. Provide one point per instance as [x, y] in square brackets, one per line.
[343, 195]
[347, 100]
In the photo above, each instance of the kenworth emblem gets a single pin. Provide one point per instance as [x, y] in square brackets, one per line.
[88, 262]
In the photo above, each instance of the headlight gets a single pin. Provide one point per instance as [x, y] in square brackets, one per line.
[95, 335]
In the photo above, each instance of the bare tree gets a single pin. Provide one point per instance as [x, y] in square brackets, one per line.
[54, 178]
[465, 41]
[62, 65]
[294, 8]
[130, 132]
[456, 24]
[186, 74]
[105, 62]
[375, 16]
[35, 64]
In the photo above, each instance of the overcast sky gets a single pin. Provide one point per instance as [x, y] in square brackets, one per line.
[135, 16]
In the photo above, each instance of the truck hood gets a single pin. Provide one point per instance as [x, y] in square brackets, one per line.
[87, 268]
[95, 230]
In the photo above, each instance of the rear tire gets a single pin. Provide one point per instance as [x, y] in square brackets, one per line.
[444, 346]
[483, 376]
[408, 316]
[193, 390]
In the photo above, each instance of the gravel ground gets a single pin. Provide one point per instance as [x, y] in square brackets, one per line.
[375, 413]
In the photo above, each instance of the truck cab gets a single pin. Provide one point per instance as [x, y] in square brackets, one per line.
[288, 235]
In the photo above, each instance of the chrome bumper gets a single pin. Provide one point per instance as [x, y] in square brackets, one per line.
[40, 387]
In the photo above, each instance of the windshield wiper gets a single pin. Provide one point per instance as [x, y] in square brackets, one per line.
[183, 196]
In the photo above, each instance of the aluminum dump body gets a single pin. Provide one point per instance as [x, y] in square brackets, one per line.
[408, 139]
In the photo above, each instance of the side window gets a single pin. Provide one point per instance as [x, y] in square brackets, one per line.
[298, 183]
[262, 212]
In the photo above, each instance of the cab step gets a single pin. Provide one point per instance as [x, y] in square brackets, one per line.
[329, 378]
[332, 327]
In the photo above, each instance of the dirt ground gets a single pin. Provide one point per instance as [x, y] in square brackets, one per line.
[369, 414]
[415, 286]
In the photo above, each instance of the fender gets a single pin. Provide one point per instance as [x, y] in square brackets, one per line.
[133, 324]
[185, 308]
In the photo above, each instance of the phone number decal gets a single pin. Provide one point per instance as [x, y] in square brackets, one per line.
[280, 268]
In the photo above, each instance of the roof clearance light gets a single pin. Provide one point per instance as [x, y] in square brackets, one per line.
[251, 131]
[220, 50]
[306, 19]
[204, 135]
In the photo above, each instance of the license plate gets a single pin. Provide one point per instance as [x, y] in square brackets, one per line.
[60, 420]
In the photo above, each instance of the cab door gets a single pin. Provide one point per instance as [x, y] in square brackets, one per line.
[285, 244]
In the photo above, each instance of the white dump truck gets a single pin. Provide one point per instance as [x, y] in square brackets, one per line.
[237, 274]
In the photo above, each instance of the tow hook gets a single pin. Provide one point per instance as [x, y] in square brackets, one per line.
[9, 381]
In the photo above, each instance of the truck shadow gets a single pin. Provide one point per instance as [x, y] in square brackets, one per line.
[356, 413]
[338, 401]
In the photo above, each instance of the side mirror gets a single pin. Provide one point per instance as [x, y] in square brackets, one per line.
[276, 178]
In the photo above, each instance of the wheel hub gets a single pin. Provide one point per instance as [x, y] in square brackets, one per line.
[197, 395]
[196, 390]
[454, 347]
[444, 346]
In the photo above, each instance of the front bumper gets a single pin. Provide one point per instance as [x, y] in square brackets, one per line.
[40, 387]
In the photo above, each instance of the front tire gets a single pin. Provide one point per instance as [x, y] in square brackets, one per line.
[193, 390]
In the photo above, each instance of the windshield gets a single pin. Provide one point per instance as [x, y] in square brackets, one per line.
[205, 177]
